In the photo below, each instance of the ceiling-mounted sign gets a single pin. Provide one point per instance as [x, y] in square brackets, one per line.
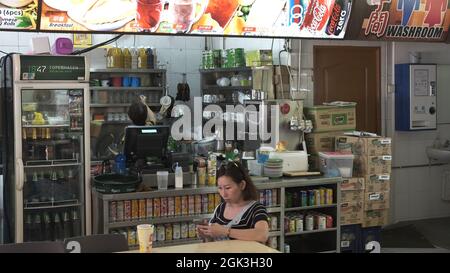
[18, 14]
[415, 20]
[262, 18]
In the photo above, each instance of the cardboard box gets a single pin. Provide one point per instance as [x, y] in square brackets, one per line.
[314, 162]
[373, 218]
[281, 82]
[370, 146]
[332, 118]
[376, 200]
[369, 165]
[352, 196]
[353, 184]
[321, 142]
[376, 183]
[352, 213]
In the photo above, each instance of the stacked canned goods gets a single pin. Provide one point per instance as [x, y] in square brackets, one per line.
[163, 232]
[273, 223]
[233, 57]
[313, 197]
[229, 58]
[269, 197]
[141, 209]
[298, 222]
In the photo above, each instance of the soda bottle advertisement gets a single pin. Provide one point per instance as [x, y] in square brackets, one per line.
[18, 14]
[274, 18]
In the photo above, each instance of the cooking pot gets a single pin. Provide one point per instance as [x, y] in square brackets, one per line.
[202, 147]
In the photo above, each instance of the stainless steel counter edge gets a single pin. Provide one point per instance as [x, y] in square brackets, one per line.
[271, 184]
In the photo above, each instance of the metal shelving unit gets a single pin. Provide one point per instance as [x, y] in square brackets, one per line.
[101, 208]
[112, 102]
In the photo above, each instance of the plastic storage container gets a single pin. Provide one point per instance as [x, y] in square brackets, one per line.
[333, 164]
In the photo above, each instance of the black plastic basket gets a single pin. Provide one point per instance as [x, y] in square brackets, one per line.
[116, 183]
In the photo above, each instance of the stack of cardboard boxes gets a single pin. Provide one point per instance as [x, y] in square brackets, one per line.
[371, 172]
[328, 122]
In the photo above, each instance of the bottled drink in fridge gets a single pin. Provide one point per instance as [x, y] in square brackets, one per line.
[36, 228]
[67, 226]
[76, 223]
[57, 227]
[48, 229]
[27, 229]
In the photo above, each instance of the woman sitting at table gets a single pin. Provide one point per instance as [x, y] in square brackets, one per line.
[239, 216]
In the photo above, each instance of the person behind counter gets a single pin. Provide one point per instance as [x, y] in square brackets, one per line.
[239, 216]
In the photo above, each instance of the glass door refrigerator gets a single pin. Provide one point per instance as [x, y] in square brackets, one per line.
[46, 144]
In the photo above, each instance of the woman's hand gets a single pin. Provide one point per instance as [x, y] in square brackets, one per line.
[214, 230]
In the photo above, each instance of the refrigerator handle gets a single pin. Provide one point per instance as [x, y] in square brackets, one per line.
[20, 170]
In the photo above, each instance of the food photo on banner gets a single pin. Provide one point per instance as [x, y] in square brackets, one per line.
[275, 18]
[18, 14]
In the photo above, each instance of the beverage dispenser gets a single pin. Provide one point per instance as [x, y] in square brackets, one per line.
[415, 97]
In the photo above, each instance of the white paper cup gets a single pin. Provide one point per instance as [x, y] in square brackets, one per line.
[145, 237]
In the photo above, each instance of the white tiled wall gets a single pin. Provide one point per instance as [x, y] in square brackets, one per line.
[178, 54]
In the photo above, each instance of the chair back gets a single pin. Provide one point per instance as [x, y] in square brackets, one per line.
[99, 243]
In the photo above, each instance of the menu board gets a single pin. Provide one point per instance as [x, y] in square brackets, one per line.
[18, 14]
[262, 18]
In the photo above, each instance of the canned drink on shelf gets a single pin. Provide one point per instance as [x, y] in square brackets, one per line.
[184, 205]
[112, 211]
[171, 206]
[156, 207]
[321, 222]
[311, 198]
[217, 200]
[164, 206]
[273, 242]
[142, 208]
[135, 209]
[274, 197]
[149, 207]
[303, 198]
[119, 211]
[287, 248]
[273, 222]
[184, 230]
[131, 237]
[204, 203]
[192, 230]
[286, 224]
[161, 232]
[322, 196]
[317, 197]
[269, 198]
[169, 232]
[329, 196]
[292, 225]
[176, 231]
[329, 221]
[191, 204]
[309, 222]
[127, 210]
[211, 203]
[198, 204]
[262, 198]
[178, 206]
[299, 224]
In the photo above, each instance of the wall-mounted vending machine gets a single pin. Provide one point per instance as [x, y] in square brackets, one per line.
[415, 97]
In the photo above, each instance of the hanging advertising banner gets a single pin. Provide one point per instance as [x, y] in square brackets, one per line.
[261, 18]
[18, 14]
[407, 20]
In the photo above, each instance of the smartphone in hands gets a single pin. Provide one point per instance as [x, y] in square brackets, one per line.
[201, 221]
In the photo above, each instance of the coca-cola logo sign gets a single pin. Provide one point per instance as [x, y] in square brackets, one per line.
[318, 15]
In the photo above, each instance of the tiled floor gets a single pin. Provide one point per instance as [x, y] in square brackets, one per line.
[437, 232]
